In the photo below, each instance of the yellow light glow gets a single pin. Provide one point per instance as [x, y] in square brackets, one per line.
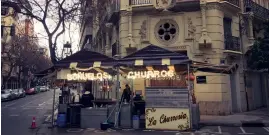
[88, 76]
[172, 68]
[150, 74]
[149, 68]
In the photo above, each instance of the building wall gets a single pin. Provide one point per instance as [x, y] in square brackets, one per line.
[214, 97]
[224, 93]
[8, 20]
[217, 92]
[23, 26]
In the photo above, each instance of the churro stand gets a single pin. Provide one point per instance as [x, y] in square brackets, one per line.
[167, 89]
[161, 100]
[92, 71]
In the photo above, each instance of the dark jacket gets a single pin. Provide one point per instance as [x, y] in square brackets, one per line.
[87, 99]
[127, 92]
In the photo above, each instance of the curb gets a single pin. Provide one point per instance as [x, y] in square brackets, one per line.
[242, 124]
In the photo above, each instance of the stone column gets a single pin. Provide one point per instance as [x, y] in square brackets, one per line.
[130, 36]
[204, 39]
[103, 43]
[108, 30]
[203, 11]
[250, 22]
[107, 44]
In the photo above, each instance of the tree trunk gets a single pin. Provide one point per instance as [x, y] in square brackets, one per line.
[8, 75]
[52, 51]
[19, 77]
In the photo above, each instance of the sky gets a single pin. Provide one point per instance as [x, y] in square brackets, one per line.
[71, 36]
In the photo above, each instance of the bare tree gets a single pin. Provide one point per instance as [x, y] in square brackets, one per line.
[22, 55]
[53, 15]
[13, 56]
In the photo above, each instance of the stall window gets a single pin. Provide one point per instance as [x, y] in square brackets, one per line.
[174, 83]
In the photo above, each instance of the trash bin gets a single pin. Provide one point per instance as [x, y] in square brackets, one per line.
[136, 121]
[195, 116]
[61, 120]
[125, 116]
[74, 121]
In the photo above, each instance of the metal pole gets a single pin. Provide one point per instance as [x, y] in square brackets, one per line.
[117, 97]
[53, 102]
[118, 83]
[190, 96]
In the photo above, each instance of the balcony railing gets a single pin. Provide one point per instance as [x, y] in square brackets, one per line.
[232, 43]
[140, 2]
[234, 2]
[258, 10]
[114, 7]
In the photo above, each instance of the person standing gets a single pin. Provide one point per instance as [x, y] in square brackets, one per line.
[127, 93]
[65, 93]
[87, 99]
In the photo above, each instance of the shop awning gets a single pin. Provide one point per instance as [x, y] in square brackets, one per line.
[46, 73]
[85, 59]
[154, 55]
[206, 67]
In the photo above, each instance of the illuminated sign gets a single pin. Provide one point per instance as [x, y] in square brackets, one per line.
[150, 74]
[88, 76]
[167, 118]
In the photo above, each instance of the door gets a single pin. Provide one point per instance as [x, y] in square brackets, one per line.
[233, 93]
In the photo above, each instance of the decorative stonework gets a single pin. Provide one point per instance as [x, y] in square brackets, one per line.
[166, 31]
[212, 6]
[244, 26]
[125, 13]
[191, 29]
[164, 4]
[205, 40]
[143, 31]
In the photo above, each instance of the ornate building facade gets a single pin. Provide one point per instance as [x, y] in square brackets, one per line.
[215, 32]
[13, 25]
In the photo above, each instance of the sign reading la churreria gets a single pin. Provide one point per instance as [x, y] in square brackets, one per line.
[88, 76]
[167, 118]
[150, 74]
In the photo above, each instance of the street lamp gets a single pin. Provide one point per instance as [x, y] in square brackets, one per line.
[67, 50]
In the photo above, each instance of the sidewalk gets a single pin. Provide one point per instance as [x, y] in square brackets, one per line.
[258, 117]
[44, 130]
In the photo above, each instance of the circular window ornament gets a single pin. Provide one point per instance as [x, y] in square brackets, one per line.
[166, 31]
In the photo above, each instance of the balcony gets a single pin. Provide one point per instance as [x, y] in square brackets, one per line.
[141, 5]
[140, 2]
[231, 5]
[186, 5]
[234, 2]
[232, 44]
[113, 11]
[258, 10]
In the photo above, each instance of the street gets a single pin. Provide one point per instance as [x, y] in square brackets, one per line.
[209, 130]
[17, 115]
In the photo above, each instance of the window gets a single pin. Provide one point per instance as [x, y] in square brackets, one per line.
[2, 30]
[227, 26]
[114, 49]
[4, 10]
[166, 31]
